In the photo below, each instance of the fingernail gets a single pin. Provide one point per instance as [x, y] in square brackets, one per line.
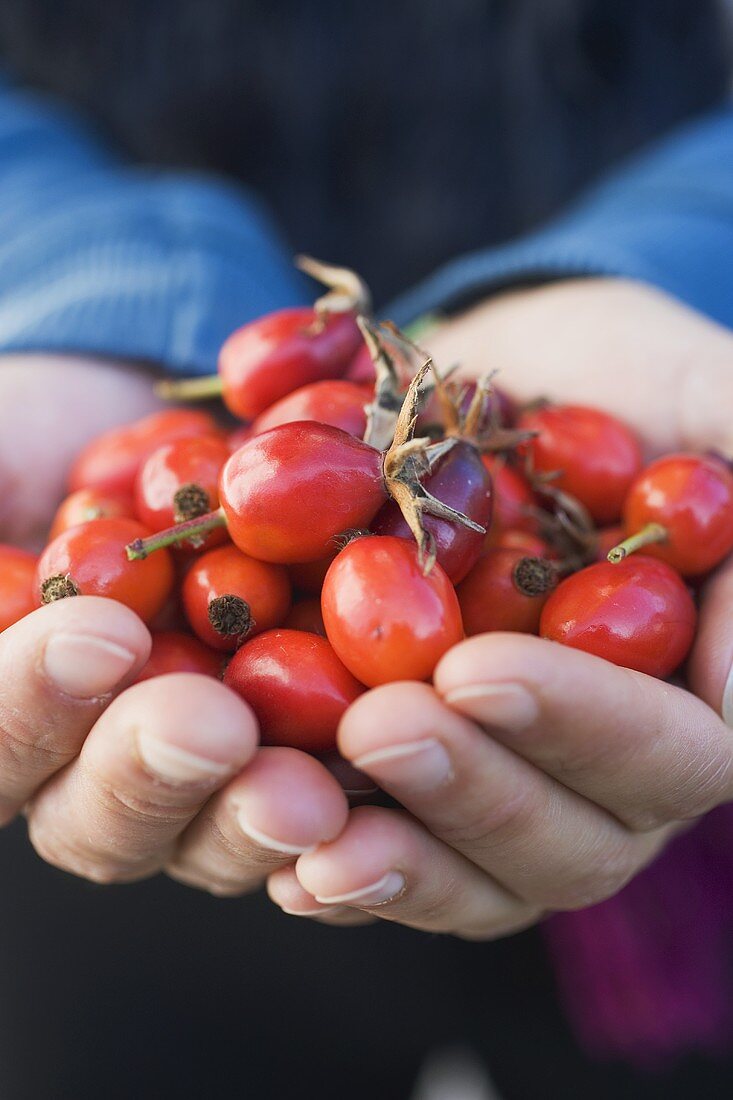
[176, 765]
[414, 767]
[388, 887]
[310, 912]
[84, 666]
[507, 706]
[727, 707]
[269, 842]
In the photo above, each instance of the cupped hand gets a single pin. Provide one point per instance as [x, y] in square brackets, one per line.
[535, 777]
[119, 782]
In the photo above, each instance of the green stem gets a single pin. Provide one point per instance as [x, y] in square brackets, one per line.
[653, 532]
[192, 528]
[190, 389]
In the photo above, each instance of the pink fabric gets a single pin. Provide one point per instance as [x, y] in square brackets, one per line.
[647, 976]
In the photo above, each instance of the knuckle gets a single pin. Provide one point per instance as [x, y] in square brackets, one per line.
[498, 927]
[496, 820]
[696, 787]
[119, 804]
[93, 866]
[434, 912]
[705, 785]
[601, 876]
[216, 885]
[27, 746]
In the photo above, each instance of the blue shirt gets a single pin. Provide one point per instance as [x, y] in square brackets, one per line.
[100, 257]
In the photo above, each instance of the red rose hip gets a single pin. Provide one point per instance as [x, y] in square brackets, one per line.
[17, 585]
[385, 618]
[680, 510]
[296, 686]
[228, 596]
[596, 455]
[638, 614]
[90, 560]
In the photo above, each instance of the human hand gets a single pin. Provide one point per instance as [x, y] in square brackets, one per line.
[119, 782]
[537, 777]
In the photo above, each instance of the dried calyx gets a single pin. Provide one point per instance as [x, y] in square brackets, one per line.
[231, 616]
[58, 587]
[407, 461]
[535, 576]
[480, 425]
[389, 390]
[347, 292]
[189, 502]
[568, 525]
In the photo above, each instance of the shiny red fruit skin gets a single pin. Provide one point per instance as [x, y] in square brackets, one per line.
[197, 460]
[175, 652]
[288, 492]
[93, 556]
[309, 576]
[462, 481]
[513, 499]
[274, 355]
[336, 402]
[296, 686]
[226, 571]
[306, 615]
[361, 367]
[87, 504]
[490, 600]
[17, 585]
[532, 546]
[692, 497]
[597, 455]
[385, 619]
[638, 614]
[111, 461]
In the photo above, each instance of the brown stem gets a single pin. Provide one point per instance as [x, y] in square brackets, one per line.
[182, 532]
[652, 533]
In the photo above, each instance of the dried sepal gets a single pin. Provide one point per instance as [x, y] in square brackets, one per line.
[383, 410]
[406, 462]
[347, 291]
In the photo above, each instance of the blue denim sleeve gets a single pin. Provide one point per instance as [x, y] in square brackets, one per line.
[665, 218]
[102, 258]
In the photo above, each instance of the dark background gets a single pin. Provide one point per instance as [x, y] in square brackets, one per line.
[392, 136]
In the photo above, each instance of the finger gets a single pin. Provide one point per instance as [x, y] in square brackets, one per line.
[710, 668]
[286, 892]
[43, 424]
[386, 863]
[151, 761]
[59, 669]
[648, 752]
[282, 805]
[543, 842]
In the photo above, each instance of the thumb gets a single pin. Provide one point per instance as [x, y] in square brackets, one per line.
[710, 668]
[50, 406]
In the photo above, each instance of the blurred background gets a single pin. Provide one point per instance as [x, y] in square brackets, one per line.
[394, 137]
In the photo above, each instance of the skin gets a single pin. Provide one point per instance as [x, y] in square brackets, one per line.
[563, 775]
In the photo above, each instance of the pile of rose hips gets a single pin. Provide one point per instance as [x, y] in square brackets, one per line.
[368, 515]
